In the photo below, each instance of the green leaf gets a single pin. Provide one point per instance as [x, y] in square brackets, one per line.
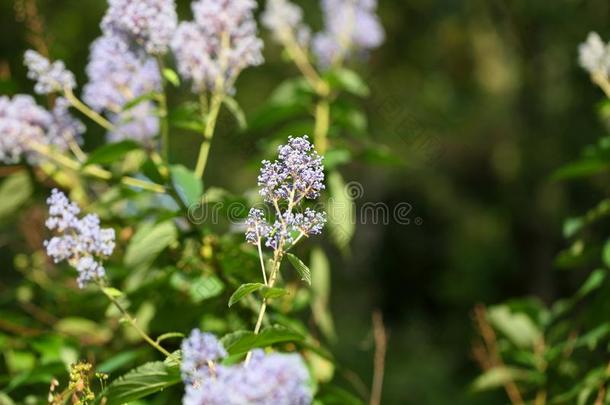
[14, 192]
[497, 377]
[113, 292]
[187, 185]
[110, 153]
[517, 327]
[300, 267]
[171, 77]
[582, 168]
[348, 80]
[138, 383]
[148, 242]
[320, 286]
[341, 212]
[244, 290]
[243, 341]
[205, 287]
[269, 292]
[235, 109]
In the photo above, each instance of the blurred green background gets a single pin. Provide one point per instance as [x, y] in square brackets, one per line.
[480, 100]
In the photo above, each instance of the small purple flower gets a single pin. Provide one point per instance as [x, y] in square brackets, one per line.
[298, 172]
[257, 227]
[296, 175]
[139, 123]
[212, 50]
[50, 77]
[80, 241]
[117, 76]
[285, 19]
[350, 26]
[199, 350]
[273, 379]
[148, 23]
[24, 124]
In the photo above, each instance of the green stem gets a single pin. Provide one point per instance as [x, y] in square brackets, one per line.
[134, 324]
[82, 107]
[208, 134]
[164, 118]
[322, 124]
[93, 170]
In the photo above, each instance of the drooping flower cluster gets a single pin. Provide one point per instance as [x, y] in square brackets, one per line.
[285, 19]
[49, 77]
[24, 125]
[81, 241]
[350, 26]
[222, 41]
[296, 175]
[273, 379]
[117, 75]
[594, 55]
[148, 23]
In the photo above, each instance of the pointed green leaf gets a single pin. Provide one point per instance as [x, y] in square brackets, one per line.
[138, 383]
[244, 290]
[243, 341]
[110, 153]
[300, 267]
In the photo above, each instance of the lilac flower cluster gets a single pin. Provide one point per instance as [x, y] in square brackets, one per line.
[81, 241]
[350, 26]
[296, 175]
[222, 41]
[24, 124]
[285, 19]
[273, 379]
[118, 75]
[594, 55]
[49, 77]
[148, 23]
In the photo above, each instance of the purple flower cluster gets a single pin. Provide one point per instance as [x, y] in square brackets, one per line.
[272, 379]
[81, 241]
[49, 77]
[296, 175]
[212, 50]
[24, 124]
[350, 26]
[285, 19]
[147, 23]
[117, 75]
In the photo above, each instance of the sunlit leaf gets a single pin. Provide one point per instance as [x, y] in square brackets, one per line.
[243, 291]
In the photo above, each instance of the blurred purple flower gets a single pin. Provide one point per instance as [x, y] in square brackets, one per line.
[351, 26]
[49, 77]
[273, 379]
[148, 23]
[212, 50]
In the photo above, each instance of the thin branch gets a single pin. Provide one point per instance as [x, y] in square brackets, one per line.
[381, 342]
